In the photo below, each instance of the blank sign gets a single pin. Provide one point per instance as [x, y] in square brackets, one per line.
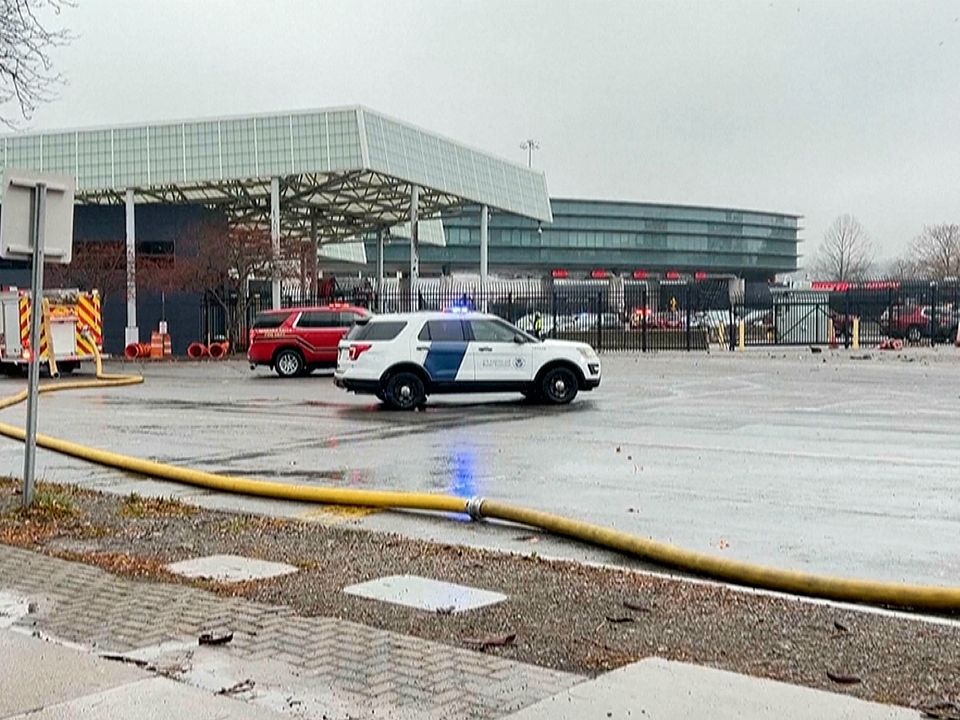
[16, 215]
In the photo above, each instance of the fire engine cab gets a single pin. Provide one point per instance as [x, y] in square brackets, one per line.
[72, 324]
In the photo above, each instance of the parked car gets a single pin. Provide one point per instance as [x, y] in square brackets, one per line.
[528, 323]
[296, 341]
[914, 323]
[402, 358]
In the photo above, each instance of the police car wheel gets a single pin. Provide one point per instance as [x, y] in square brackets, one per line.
[405, 391]
[559, 386]
[289, 363]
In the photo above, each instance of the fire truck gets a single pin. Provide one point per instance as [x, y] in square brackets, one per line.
[72, 324]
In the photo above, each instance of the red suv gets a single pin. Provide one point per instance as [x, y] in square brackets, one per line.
[296, 341]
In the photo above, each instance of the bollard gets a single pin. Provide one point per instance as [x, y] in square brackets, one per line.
[855, 341]
[831, 333]
[741, 336]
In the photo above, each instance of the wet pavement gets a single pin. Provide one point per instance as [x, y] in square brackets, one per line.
[826, 463]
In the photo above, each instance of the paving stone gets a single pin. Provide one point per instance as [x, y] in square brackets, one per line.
[230, 568]
[425, 593]
[384, 674]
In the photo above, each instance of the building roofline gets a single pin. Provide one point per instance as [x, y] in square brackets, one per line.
[607, 201]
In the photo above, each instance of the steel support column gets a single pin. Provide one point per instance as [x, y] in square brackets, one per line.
[275, 241]
[314, 251]
[484, 221]
[484, 266]
[381, 232]
[414, 247]
[132, 332]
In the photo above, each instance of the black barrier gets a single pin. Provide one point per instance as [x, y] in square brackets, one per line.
[632, 316]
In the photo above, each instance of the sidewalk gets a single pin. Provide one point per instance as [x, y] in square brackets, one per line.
[61, 618]
[307, 666]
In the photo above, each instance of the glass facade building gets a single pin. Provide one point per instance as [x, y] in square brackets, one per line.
[620, 237]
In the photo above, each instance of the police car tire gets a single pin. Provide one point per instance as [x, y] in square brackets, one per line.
[559, 386]
[397, 397]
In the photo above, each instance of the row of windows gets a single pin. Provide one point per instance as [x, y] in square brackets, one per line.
[641, 211]
[607, 240]
[561, 223]
[465, 330]
[171, 152]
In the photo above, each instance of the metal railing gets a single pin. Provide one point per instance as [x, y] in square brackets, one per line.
[641, 317]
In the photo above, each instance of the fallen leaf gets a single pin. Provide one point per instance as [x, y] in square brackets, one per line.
[239, 687]
[840, 626]
[618, 448]
[211, 639]
[492, 641]
[620, 619]
[637, 607]
[842, 679]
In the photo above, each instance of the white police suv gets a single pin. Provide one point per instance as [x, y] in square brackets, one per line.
[403, 358]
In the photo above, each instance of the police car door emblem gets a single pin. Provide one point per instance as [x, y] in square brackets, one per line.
[518, 362]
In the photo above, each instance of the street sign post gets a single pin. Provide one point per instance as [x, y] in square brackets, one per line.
[36, 223]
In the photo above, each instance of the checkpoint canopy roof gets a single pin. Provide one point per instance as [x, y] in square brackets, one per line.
[347, 170]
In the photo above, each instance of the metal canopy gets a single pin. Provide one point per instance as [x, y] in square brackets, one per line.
[350, 169]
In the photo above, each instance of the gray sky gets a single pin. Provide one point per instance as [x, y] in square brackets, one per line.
[817, 108]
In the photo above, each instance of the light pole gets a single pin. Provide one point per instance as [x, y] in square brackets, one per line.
[530, 145]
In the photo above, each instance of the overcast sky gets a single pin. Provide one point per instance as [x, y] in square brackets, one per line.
[816, 108]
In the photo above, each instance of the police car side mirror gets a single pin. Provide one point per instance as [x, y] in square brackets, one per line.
[519, 339]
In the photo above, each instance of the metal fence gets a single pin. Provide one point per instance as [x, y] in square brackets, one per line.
[641, 316]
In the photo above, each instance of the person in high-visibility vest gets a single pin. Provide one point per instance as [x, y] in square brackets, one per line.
[538, 326]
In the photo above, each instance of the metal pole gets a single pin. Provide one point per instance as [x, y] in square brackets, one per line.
[484, 253]
[414, 246]
[275, 241]
[33, 372]
[132, 333]
[312, 258]
[380, 239]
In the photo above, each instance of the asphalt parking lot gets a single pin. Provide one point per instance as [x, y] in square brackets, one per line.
[816, 462]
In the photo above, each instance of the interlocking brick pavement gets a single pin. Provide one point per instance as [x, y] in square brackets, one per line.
[376, 668]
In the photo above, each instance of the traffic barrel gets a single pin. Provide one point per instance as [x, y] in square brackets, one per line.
[218, 350]
[132, 351]
[196, 350]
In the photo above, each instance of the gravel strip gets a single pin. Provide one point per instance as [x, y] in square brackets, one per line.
[565, 616]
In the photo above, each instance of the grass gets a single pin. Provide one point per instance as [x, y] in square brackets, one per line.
[51, 504]
[135, 505]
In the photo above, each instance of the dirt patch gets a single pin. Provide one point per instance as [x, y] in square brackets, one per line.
[563, 615]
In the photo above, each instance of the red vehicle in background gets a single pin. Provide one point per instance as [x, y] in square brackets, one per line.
[296, 341]
[913, 323]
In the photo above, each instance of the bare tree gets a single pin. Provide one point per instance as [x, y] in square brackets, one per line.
[96, 265]
[846, 253]
[220, 259]
[936, 251]
[27, 76]
[903, 267]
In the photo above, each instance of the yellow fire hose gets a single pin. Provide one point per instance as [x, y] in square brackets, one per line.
[921, 597]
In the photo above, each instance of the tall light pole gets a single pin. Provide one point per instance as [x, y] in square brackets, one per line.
[530, 145]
